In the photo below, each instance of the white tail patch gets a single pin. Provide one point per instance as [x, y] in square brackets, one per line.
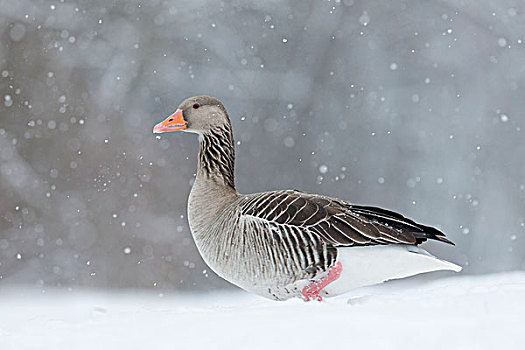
[364, 266]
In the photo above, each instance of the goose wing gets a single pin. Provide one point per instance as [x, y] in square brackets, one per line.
[336, 222]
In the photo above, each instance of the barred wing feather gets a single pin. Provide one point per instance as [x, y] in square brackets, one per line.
[337, 222]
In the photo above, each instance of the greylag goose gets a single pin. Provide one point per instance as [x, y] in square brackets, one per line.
[284, 244]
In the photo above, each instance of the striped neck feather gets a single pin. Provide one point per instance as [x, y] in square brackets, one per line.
[217, 155]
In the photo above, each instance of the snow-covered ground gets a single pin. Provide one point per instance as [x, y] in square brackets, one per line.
[460, 312]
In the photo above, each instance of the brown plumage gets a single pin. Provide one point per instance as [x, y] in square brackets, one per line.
[289, 243]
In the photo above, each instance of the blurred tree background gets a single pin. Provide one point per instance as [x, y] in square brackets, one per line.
[413, 106]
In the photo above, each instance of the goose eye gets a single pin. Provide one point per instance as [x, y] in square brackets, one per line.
[195, 106]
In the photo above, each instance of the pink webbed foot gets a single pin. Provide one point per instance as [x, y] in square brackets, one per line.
[311, 291]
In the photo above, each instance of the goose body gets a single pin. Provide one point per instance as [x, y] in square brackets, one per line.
[285, 244]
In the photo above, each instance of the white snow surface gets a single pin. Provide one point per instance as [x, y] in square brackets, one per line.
[460, 312]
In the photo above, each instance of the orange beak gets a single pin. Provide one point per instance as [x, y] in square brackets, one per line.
[174, 122]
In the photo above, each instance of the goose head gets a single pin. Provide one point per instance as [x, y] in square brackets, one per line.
[198, 114]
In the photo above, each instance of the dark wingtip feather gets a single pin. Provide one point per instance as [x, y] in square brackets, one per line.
[435, 234]
[421, 232]
[443, 239]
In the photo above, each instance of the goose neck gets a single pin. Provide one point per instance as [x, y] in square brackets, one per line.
[217, 158]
